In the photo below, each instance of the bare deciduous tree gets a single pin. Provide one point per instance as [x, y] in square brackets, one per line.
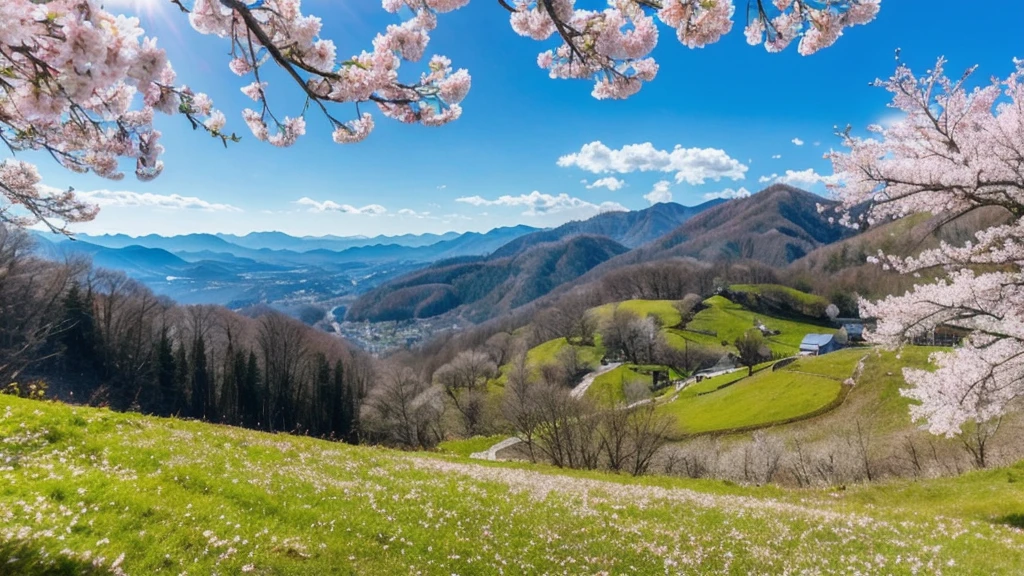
[402, 409]
[464, 381]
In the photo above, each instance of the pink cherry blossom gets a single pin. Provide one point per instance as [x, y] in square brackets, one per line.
[354, 131]
[956, 150]
[84, 84]
[71, 75]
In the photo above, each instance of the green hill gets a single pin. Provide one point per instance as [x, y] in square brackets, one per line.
[731, 401]
[721, 321]
[729, 321]
[128, 494]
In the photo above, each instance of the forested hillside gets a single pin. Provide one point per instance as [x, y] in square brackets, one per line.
[482, 288]
[98, 337]
[631, 229]
[773, 228]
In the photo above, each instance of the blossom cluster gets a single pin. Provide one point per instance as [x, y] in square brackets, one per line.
[276, 31]
[613, 46]
[72, 76]
[955, 150]
[817, 24]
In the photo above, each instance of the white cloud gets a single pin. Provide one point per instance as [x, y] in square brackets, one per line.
[109, 198]
[798, 142]
[776, 156]
[800, 178]
[728, 194]
[660, 193]
[537, 203]
[816, 143]
[691, 165]
[414, 214]
[331, 206]
[612, 183]
[442, 186]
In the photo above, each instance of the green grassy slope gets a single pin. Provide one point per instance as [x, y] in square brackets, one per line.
[663, 309]
[610, 387]
[155, 496]
[468, 446]
[760, 400]
[877, 393]
[730, 320]
[803, 387]
[547, 353]
[802, 297]
[711, 384]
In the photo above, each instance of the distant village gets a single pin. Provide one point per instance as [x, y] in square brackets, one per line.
[379, 338]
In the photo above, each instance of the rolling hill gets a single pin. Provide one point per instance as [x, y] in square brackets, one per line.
[484, 287]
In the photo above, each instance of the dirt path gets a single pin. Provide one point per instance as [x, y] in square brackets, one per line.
[492, 452]
[584, 384]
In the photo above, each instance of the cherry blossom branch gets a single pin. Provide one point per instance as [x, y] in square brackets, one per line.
[955, 151]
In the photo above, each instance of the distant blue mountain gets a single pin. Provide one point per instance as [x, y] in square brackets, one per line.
[208, 268]
[282, 241]
[278, 248]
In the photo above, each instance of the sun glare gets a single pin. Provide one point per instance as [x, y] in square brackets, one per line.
[138, 7]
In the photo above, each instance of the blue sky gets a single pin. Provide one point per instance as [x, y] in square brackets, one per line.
[739, 106]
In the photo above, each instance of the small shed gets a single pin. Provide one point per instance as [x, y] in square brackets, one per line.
[818, 344]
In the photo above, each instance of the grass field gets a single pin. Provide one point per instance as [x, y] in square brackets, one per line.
[767, 397]
[467, 446]
[839, 364]
[802, 297]
[731, 320]
[760, 400]
[680, 338]
[716, 382]
[610, 387]
[882, 380]
[547, 353]
[663, 309]
[136, 495]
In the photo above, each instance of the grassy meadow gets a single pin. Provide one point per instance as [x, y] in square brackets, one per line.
[90, 491]
[735, 400]
[730, 320]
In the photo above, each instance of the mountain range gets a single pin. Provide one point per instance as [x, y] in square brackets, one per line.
[776, 227]
[211, 269]
[522, 270]
[474, 275]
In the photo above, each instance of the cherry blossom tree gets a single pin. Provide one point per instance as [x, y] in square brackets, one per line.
[955, 150]
[83, 84]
